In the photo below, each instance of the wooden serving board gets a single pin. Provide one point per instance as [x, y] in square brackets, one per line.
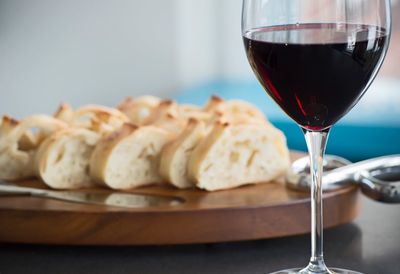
[250, 212]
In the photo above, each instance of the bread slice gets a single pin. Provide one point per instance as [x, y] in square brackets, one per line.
[187, 112]
[170, 123]
[18, 144]
[176, 154]
[97, 118]
[233, 108]
[139, 109]
[213, 104]
[167, 116]
[240, 108]
[128, 158]
[237, 154]
[64, 113]
[62, 161]
[28, 141]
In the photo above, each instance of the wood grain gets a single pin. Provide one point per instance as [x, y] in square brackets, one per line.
[250, 212]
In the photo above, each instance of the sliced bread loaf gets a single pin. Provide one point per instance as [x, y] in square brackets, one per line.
[129, 157]
[237, 154]
[176, 154]
[18, 144]
[62, 161]
[139, 109]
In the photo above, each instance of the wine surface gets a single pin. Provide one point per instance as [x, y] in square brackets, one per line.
[316, 72]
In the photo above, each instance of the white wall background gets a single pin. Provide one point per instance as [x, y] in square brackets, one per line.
[83, 51]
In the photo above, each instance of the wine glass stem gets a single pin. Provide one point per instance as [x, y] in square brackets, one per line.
[316, 144]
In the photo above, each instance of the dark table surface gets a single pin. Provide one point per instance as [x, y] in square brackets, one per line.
[371, 245]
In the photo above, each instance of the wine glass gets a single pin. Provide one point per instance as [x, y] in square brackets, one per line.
[316, 58]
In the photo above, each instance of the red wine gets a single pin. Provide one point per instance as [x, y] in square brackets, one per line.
[316, 72]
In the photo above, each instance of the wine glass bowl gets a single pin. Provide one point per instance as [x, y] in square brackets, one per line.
[316, 58]
[302, 77]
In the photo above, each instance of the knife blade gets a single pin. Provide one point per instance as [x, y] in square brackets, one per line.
[115, 199]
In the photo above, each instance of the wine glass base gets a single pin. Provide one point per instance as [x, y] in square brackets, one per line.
[332, 271]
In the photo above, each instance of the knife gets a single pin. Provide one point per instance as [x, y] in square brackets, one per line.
[115, 199]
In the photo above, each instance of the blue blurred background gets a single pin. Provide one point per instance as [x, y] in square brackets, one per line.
[99, 51]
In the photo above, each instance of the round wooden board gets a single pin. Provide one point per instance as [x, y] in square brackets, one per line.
[250, 212]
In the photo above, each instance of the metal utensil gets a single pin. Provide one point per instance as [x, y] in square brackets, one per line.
[379, 178]
[115, 199]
